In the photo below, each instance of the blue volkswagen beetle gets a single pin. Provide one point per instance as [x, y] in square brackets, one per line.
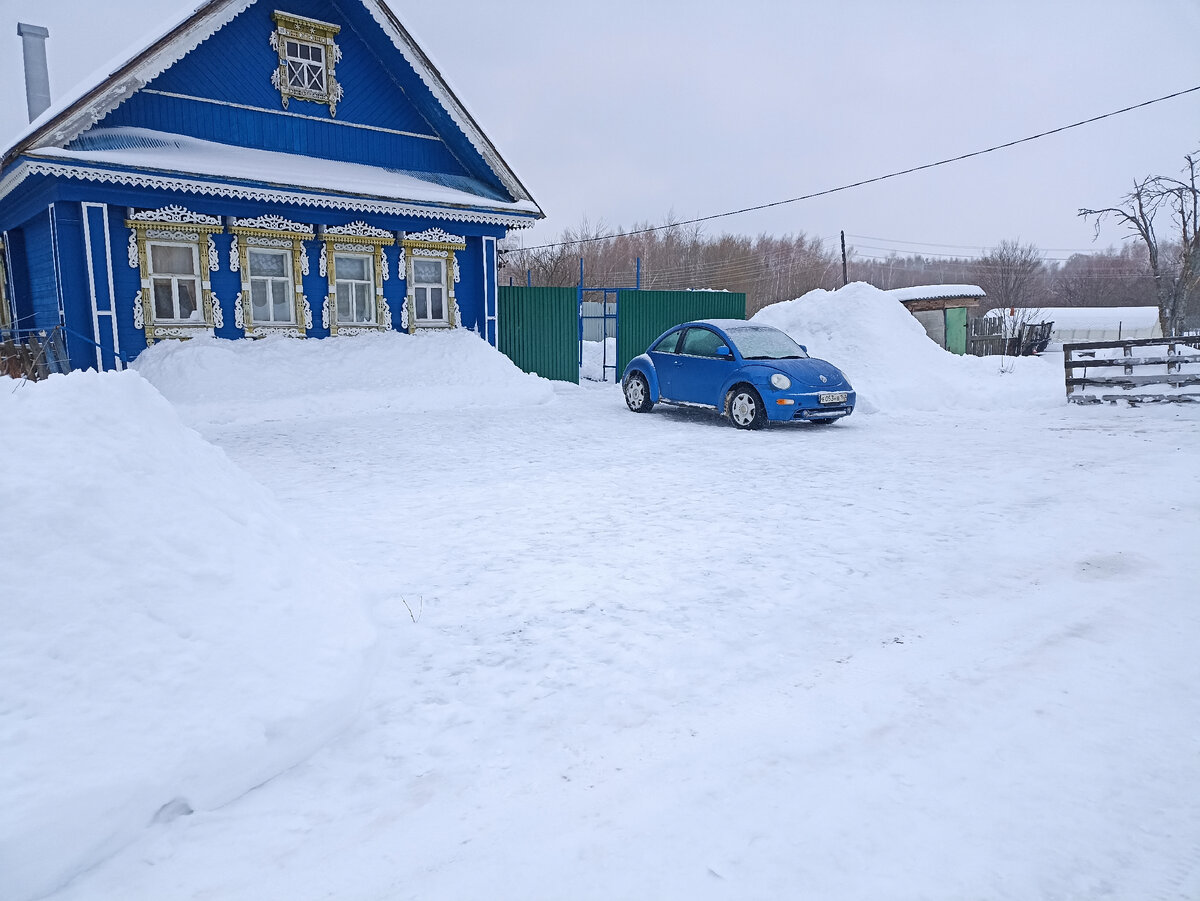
[750, 373]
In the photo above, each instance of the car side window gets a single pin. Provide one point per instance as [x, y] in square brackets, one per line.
[668, 345]
[700, 342]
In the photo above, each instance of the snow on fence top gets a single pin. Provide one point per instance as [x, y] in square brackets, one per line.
[170, 641]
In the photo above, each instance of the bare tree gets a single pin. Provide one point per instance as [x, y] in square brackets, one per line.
[1174, 267]
[1008, 273]
[1011, 274]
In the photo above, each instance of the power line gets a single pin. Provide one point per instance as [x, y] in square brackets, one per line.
[870, 181]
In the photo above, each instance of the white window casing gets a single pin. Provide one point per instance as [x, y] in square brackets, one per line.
[270, 254]
[431, 270]
[174, 250]
[308, 58]
[355, 266]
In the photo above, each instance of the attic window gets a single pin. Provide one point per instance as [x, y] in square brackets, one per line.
[305, 66]
[308, 56]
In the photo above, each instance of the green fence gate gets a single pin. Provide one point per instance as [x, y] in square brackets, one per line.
[539, 330]
[644, 315]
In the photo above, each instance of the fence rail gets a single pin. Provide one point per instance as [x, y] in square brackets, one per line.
[33, 354]
[1172, 363]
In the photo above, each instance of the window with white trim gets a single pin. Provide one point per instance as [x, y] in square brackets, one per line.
[355, 288]
[431, 271]
[308, 57]
[175, 282]
[272, 295]
[305, 66]
[429, 290]
[174, 250]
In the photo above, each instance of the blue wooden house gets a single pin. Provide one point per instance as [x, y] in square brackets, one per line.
[294, 167]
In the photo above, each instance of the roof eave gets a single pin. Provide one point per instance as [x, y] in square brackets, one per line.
[303, 195]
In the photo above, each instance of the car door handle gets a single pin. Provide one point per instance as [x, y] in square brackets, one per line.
[679, 362]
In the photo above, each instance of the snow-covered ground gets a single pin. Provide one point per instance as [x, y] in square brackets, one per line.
[943, 650]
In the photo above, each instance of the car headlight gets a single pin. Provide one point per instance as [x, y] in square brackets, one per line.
[781, 381]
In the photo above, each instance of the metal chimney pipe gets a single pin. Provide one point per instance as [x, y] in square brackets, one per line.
[37, 72]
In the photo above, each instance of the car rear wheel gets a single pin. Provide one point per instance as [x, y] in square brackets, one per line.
[637, 393]
[744, 408]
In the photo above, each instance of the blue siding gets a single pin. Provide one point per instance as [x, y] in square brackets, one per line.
[40, 272]
[18, 268]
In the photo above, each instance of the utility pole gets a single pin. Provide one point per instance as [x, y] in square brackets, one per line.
[844, 278]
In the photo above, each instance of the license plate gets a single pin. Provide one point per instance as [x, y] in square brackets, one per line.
[832, 397]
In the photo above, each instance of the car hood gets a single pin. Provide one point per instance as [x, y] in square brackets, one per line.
[808, 373]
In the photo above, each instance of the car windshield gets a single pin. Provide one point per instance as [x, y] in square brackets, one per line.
[765, 344]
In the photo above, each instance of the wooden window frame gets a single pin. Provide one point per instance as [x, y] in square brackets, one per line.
[196, 278]
[433, 243]
[270, 284]
[369, 283]
[302, 30]
[356, 239]
[179, 226]
[273, 233]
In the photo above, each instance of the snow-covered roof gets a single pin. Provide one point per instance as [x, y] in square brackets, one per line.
[112, 84]
[176, 155]
[935, 292]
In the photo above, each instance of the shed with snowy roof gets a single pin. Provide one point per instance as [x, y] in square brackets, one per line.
[942, 310]
[266, 167]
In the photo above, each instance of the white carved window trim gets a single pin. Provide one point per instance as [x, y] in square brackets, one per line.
[433, 243]
[357, 238]
[179, 226]
[301, 31]
[274, 233]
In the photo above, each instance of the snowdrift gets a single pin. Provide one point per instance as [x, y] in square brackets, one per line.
[169, 640]
[418, 373]
[895, 367]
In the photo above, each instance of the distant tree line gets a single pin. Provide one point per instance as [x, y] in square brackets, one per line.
[770, 268]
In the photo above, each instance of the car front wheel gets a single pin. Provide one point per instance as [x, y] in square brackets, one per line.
[745, 409]
[637, 393]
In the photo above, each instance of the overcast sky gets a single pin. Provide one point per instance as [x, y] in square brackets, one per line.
[632, 110]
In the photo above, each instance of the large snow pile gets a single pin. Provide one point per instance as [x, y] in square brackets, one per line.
[361, 374]
[168, 640]
[895, 366]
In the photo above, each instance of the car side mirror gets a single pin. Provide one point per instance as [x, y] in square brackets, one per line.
[804, 348]
[723, 351]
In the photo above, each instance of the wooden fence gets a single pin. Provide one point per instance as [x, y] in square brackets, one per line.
[988, 337]
[33, 356]
[1166, 365]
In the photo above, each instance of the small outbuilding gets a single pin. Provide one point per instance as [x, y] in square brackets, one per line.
[942, 310]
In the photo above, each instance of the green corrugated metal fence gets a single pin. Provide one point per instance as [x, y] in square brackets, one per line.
[539, 330]
[644, 315]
